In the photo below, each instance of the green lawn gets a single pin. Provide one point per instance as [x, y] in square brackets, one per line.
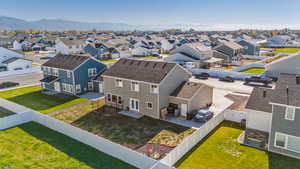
[4, 112]
[254, 70]
[31, 97]
[32, 145]
[287, 50]
[222, 151]
[109, 61]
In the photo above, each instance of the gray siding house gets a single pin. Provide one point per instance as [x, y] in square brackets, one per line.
[230, 51]
[277, 112]
[250, 48]
[71, 74]
[143, 86]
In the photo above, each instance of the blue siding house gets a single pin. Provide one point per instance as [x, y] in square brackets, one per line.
[71, 74]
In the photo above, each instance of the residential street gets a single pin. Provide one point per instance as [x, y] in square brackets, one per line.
[24, 80]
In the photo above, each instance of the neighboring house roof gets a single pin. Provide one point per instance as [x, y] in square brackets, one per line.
[72, 42]
[140, 70]
[187, 90]
[231, 44]
[68, 62]
[260, 102]
[287, 91]
[10, 60]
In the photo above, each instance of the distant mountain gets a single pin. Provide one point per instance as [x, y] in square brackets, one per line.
[9, 23]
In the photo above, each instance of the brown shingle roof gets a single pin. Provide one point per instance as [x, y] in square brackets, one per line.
[140, 70]
[72, 42]
[187, 90]
[68, 62]
[259, 102]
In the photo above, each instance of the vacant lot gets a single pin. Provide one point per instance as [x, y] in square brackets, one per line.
[254, 70]
[4, 112]
[221, 151]
[132, 133]
[32, 98]
[32, 145]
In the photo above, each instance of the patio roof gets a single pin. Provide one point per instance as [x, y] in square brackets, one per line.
[49, 79]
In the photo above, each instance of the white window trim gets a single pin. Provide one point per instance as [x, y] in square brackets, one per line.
[286, 113]
[55, 71]
[119, 84]
[92, 72]
[151, 91]
[148, 106]
[107, 97]
[138, 86]
[286, 142]
[78, 90]
[135, 100]
[68, 74]
[90, 85]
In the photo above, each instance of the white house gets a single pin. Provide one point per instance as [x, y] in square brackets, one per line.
[17, 64]
[6, 54]
[69, 46]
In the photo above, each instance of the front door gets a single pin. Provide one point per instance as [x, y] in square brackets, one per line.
[134, 105]
[57, 86]
[183, 110]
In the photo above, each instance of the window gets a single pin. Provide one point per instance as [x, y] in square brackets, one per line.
[154, 89]
[67, 88]
[119, 83]
[49, 70]
[288, 142]
[55, 72]
[92, 72]
[108, 97]
[290, 113]
[135, 86]
[69, 74]
[43, 85]
[114, 98]
[78, 88]
[119, 100]
[149, 105]
[70, 47]
[280, 140]
[90, 86]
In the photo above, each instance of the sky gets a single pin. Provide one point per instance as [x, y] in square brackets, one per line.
[232, 13]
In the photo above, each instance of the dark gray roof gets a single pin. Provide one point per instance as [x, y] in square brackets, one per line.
[140, 70]
[68, 62]
[49, 79]
[259, 102]
[8, 61]
[187, 90]
[287, 91]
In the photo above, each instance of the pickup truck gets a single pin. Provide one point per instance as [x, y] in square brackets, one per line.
[257, 79]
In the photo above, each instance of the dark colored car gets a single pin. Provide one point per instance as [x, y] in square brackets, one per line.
[257, 79]
[227, 79]
[8, 84]
[203, 116]
[202, 76]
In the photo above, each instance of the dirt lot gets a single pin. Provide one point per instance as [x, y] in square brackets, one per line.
[137, 134]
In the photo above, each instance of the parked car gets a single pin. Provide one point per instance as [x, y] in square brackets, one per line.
[257, 79]
[203, 116]
[4, 85]
[202, 76]
[227, 79]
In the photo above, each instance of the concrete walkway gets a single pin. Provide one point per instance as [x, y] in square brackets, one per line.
[14, 107]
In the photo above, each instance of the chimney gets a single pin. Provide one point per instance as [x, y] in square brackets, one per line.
[264, 93]
[297, 79]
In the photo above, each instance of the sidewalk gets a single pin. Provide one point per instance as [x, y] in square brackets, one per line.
[14, 107]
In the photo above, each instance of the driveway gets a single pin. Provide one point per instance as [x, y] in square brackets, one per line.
[236, 87]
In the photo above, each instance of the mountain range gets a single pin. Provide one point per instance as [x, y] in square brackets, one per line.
[10, 23]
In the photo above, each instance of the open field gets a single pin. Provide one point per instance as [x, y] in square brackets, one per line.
[254, 70]
[4, 112]
[129, 132]
[32, 98]
[286, 50]
[221, 150]
[32, 145]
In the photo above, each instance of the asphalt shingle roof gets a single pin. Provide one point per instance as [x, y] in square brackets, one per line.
[68, 62]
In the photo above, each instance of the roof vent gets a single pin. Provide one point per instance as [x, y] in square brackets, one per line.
[297, 79]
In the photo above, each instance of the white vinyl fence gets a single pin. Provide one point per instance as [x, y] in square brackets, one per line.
[235, 116]
[14, 120]
[221, 73]
[188, 143]
[123, 153]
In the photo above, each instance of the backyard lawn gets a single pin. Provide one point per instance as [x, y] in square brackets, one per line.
[4, 112]
[222, 151]
[31, 97]
[129, 132]
[32, 145]
[254, 70]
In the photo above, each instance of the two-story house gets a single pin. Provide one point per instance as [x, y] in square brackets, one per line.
[69, 46]
[71, 74]
[229, 51]
[276, 112]
[250, 47]
[147, 87]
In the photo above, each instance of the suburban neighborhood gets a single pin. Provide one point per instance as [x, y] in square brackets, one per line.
[85, 95]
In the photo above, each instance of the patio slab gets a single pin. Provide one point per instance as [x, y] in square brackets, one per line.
[92, 95]
[131, 114]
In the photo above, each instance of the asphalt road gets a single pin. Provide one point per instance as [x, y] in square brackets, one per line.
[24, 80]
